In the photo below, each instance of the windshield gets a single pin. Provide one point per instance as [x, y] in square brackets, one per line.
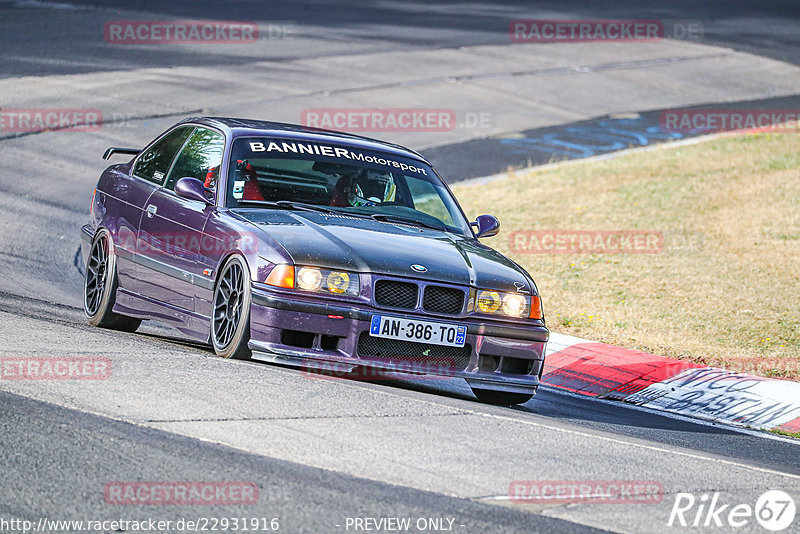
[282, 173]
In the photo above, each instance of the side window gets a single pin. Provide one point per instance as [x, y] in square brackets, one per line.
[428, 200]
[200, 158]
[154, 164]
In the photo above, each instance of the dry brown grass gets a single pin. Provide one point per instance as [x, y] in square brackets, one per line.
[725, 291]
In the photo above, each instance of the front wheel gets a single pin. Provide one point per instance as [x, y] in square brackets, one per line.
[230, 319]
[501, 398]
[100, 287]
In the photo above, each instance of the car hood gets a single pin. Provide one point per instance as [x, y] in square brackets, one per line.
[366, 245]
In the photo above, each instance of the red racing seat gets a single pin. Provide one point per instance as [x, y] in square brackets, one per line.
[211, 177]
[251, 189]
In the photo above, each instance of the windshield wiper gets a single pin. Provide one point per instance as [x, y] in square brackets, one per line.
[385, 217]
[302, 206]
[288, 205]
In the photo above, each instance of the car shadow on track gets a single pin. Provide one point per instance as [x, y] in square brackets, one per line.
[548, 402]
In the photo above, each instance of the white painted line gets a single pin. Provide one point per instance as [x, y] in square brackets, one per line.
[710, 393]
[644, 446]
[720, 395]
[678, 417]
[468, 411]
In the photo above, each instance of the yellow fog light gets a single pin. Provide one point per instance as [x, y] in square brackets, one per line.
[338, 282]
[488, 301]
[309, 278]
[514, 304]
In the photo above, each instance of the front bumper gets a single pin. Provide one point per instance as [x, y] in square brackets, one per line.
[335, 337]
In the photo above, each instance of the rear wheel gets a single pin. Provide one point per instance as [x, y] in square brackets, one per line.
[230, 319]
[100, 287]
[501, 398]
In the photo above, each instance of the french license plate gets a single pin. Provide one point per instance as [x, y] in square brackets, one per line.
[388, 327]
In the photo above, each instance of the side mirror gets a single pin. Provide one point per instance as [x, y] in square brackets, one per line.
[193, 189]
[487, 226]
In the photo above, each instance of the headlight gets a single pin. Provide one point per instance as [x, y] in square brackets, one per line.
[338, 282]
[488, 301]
[309, 278]
[497, 303]
[315, 279]
[514, 305]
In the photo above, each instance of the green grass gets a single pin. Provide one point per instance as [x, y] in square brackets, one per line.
[725, 290]
[785, 433]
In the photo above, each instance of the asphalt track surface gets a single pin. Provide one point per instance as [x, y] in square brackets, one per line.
[322, 451]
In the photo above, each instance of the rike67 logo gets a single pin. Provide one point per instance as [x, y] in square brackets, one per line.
[774, 510]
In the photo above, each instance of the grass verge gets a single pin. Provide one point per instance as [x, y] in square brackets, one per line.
[725, 288]
[785, 433]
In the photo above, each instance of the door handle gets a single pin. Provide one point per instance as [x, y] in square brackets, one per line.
[151, 211]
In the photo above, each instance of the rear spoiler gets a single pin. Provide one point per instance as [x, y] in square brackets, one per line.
[118, 150]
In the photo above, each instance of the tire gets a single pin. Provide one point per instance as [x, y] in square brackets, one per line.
[230, 316]
[100, 287]
[501, 398]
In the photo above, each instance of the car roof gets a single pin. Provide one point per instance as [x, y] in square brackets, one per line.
[251, 127]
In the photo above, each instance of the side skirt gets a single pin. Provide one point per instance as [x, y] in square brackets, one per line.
[195, 326]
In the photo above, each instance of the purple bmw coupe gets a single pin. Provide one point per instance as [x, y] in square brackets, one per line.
[311, 248]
